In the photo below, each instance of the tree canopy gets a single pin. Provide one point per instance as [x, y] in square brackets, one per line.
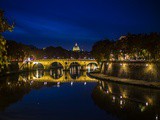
[102, 49]
[129, 47]
[4, 26]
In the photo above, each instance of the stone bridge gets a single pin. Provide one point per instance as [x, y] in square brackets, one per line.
[46, 63]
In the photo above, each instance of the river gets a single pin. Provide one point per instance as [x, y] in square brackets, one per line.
[59, 95]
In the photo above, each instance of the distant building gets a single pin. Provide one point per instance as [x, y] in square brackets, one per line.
[76, 48]
[122, 37]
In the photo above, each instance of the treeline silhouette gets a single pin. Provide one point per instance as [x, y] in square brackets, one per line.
[20, 52]
[129, 47]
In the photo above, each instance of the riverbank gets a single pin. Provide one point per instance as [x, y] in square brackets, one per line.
[136, 70]
[13, 72]
[125, 81]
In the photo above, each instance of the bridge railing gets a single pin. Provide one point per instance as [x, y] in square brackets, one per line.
[66, 59]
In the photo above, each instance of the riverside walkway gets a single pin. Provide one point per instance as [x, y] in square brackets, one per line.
[126, 80]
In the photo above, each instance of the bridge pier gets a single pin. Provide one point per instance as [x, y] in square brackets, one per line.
[46, 67]
[83, 68]
[66, 68]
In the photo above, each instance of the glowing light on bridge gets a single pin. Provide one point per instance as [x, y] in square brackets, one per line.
[114, 97]
[29, 59]
[35, 62]
[107, 91]
[147, 104]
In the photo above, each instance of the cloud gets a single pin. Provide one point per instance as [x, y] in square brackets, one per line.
[53, 21]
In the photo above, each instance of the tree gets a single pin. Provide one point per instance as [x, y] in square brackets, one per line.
[4, 26]
[102, 49]
[3, 53]
[129, 47]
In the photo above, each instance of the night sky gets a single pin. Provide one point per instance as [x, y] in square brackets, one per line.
[64, 22]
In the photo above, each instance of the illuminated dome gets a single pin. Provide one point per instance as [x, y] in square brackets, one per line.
[76, 48]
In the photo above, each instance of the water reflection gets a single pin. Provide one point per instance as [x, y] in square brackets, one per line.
[38, 73]
[124, 102]
[56, 73]
[127, 102]
[75, 71]
[13, 88]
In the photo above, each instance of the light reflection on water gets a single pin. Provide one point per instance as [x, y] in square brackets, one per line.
[56, 94]
[127, 102]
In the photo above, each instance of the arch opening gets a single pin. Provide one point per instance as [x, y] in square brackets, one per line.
[38, 73]
[74, 69]
[56, 70]
[38, 66]
[92, 67]
[56, 65]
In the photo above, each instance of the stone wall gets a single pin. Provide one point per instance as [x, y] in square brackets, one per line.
[148, 71]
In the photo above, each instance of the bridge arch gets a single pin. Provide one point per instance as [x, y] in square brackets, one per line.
[56, 64]
[74, 69]
[91, 66]
[75, 63]
[64, 62]
[38, 73]
[56, 73]
[37, 65]
[92, 63]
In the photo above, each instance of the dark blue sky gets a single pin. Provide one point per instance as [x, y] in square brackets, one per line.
[63, 22]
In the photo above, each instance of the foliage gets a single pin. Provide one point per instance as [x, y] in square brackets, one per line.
[3, 53]
[102, 49]
[130, 47]
[4, 26]
[20, 52]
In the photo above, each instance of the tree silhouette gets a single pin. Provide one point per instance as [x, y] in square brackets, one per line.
[4, 26]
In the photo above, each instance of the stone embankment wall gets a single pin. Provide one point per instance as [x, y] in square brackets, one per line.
[140, 70]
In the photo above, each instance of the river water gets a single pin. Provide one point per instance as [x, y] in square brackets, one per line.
[59, 95]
